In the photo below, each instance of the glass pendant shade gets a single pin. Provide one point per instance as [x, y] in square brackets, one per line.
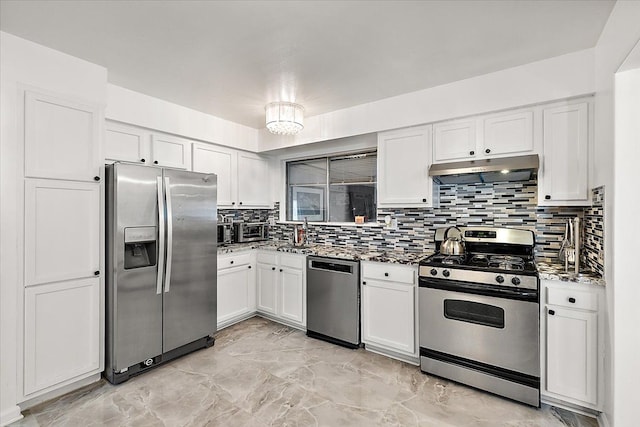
[284, 118]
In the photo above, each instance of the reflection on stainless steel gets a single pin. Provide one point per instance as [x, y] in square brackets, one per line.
[479, 316]
[169, 218]
[518, 168]
[333, 300]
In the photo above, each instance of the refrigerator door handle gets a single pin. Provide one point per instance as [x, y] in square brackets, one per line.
[167, 279]
[161, 221]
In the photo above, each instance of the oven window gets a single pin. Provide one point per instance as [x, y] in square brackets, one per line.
[473, 312]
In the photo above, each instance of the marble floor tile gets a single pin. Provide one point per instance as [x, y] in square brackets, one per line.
[260, 373]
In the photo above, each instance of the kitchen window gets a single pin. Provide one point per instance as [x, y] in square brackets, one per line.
[332, 189]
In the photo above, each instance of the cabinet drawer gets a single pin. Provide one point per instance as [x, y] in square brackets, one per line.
[292, 261]
[572, 298]
[233, 260]
[390, 272]
[268, 257]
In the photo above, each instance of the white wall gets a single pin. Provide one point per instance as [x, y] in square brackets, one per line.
[556, 78]
[626, 213]
[131, 107]
[619, 36]
[23, 63]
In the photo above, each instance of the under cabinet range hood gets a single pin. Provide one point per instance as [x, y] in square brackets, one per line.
[505, 169]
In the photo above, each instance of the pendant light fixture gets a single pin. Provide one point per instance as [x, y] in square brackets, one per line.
[284, 118]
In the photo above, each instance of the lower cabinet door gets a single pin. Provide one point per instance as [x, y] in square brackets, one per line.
[388, 315]
[292, 298]
[62, 332]
[236, 296]
[572, 353]
[267, 281]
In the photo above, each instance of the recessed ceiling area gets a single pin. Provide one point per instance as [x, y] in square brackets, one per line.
[231, 58]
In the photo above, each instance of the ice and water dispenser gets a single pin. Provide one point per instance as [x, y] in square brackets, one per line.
[139, 247]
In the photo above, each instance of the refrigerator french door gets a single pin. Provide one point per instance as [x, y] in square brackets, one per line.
[161, 266]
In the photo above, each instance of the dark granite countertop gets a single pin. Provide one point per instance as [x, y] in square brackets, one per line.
[361, 254]
[548, 271]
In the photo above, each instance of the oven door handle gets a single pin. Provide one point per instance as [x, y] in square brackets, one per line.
[520, 294]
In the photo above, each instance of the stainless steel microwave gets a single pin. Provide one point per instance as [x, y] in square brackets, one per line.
[225, 233]
[249, 231]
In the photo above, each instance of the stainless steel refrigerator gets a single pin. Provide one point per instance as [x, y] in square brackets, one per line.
[161, 266]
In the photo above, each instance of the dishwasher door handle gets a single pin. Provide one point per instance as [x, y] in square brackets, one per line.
[335, 267]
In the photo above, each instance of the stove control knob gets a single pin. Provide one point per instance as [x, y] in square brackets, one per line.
[515, 281]
[434, 272]
[446, 273]
[499, 279]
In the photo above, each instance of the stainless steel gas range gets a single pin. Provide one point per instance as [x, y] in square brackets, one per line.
[479, 313]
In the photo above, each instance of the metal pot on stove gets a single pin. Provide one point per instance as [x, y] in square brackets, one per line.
[452, 245]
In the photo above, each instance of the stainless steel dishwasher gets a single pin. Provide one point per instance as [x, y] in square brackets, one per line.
[333, 300]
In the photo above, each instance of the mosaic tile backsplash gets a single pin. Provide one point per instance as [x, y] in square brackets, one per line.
[512, 204]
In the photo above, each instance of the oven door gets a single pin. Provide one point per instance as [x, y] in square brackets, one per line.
[495, 331]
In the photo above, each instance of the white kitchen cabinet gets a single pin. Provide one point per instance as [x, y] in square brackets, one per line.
[485, 136]
[282, 287]
[404, 157]
[389, 315]
[61, 138]
[507, 133]
[253, 181]
[170, 151]
[133, 144]
[563, 177]
[454, 140]
[62, 230]
[267, 270]
[62, 336]
[236, 288]
[127, 143]
[61, 308]
[243, 177]
[208, 158]
[571, 360]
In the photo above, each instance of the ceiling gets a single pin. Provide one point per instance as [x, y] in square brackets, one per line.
[230, 58]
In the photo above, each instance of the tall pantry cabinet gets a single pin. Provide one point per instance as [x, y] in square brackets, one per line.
[63, 240]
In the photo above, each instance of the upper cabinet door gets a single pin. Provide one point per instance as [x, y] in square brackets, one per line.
[563, 178]
[404, 158]
[127, 144]
[62, 230]
[253, 181]
[171, 151]
[212, 159]
[62, 138]
[508, 133]
[455, 140]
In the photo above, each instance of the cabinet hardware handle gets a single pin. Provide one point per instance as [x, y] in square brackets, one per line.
[273, 268]
[572, 300]
[233, 203]
[386, 274]
[240, 203]
[280, 270]
[364, 283]
[249, 267]
[471, 153]
[424, 200]
[96, 178]
[547, 197]
[231, 262]
[487, 151]
[552, 312]
[155, 162]
[142, 160]
[96, 273]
